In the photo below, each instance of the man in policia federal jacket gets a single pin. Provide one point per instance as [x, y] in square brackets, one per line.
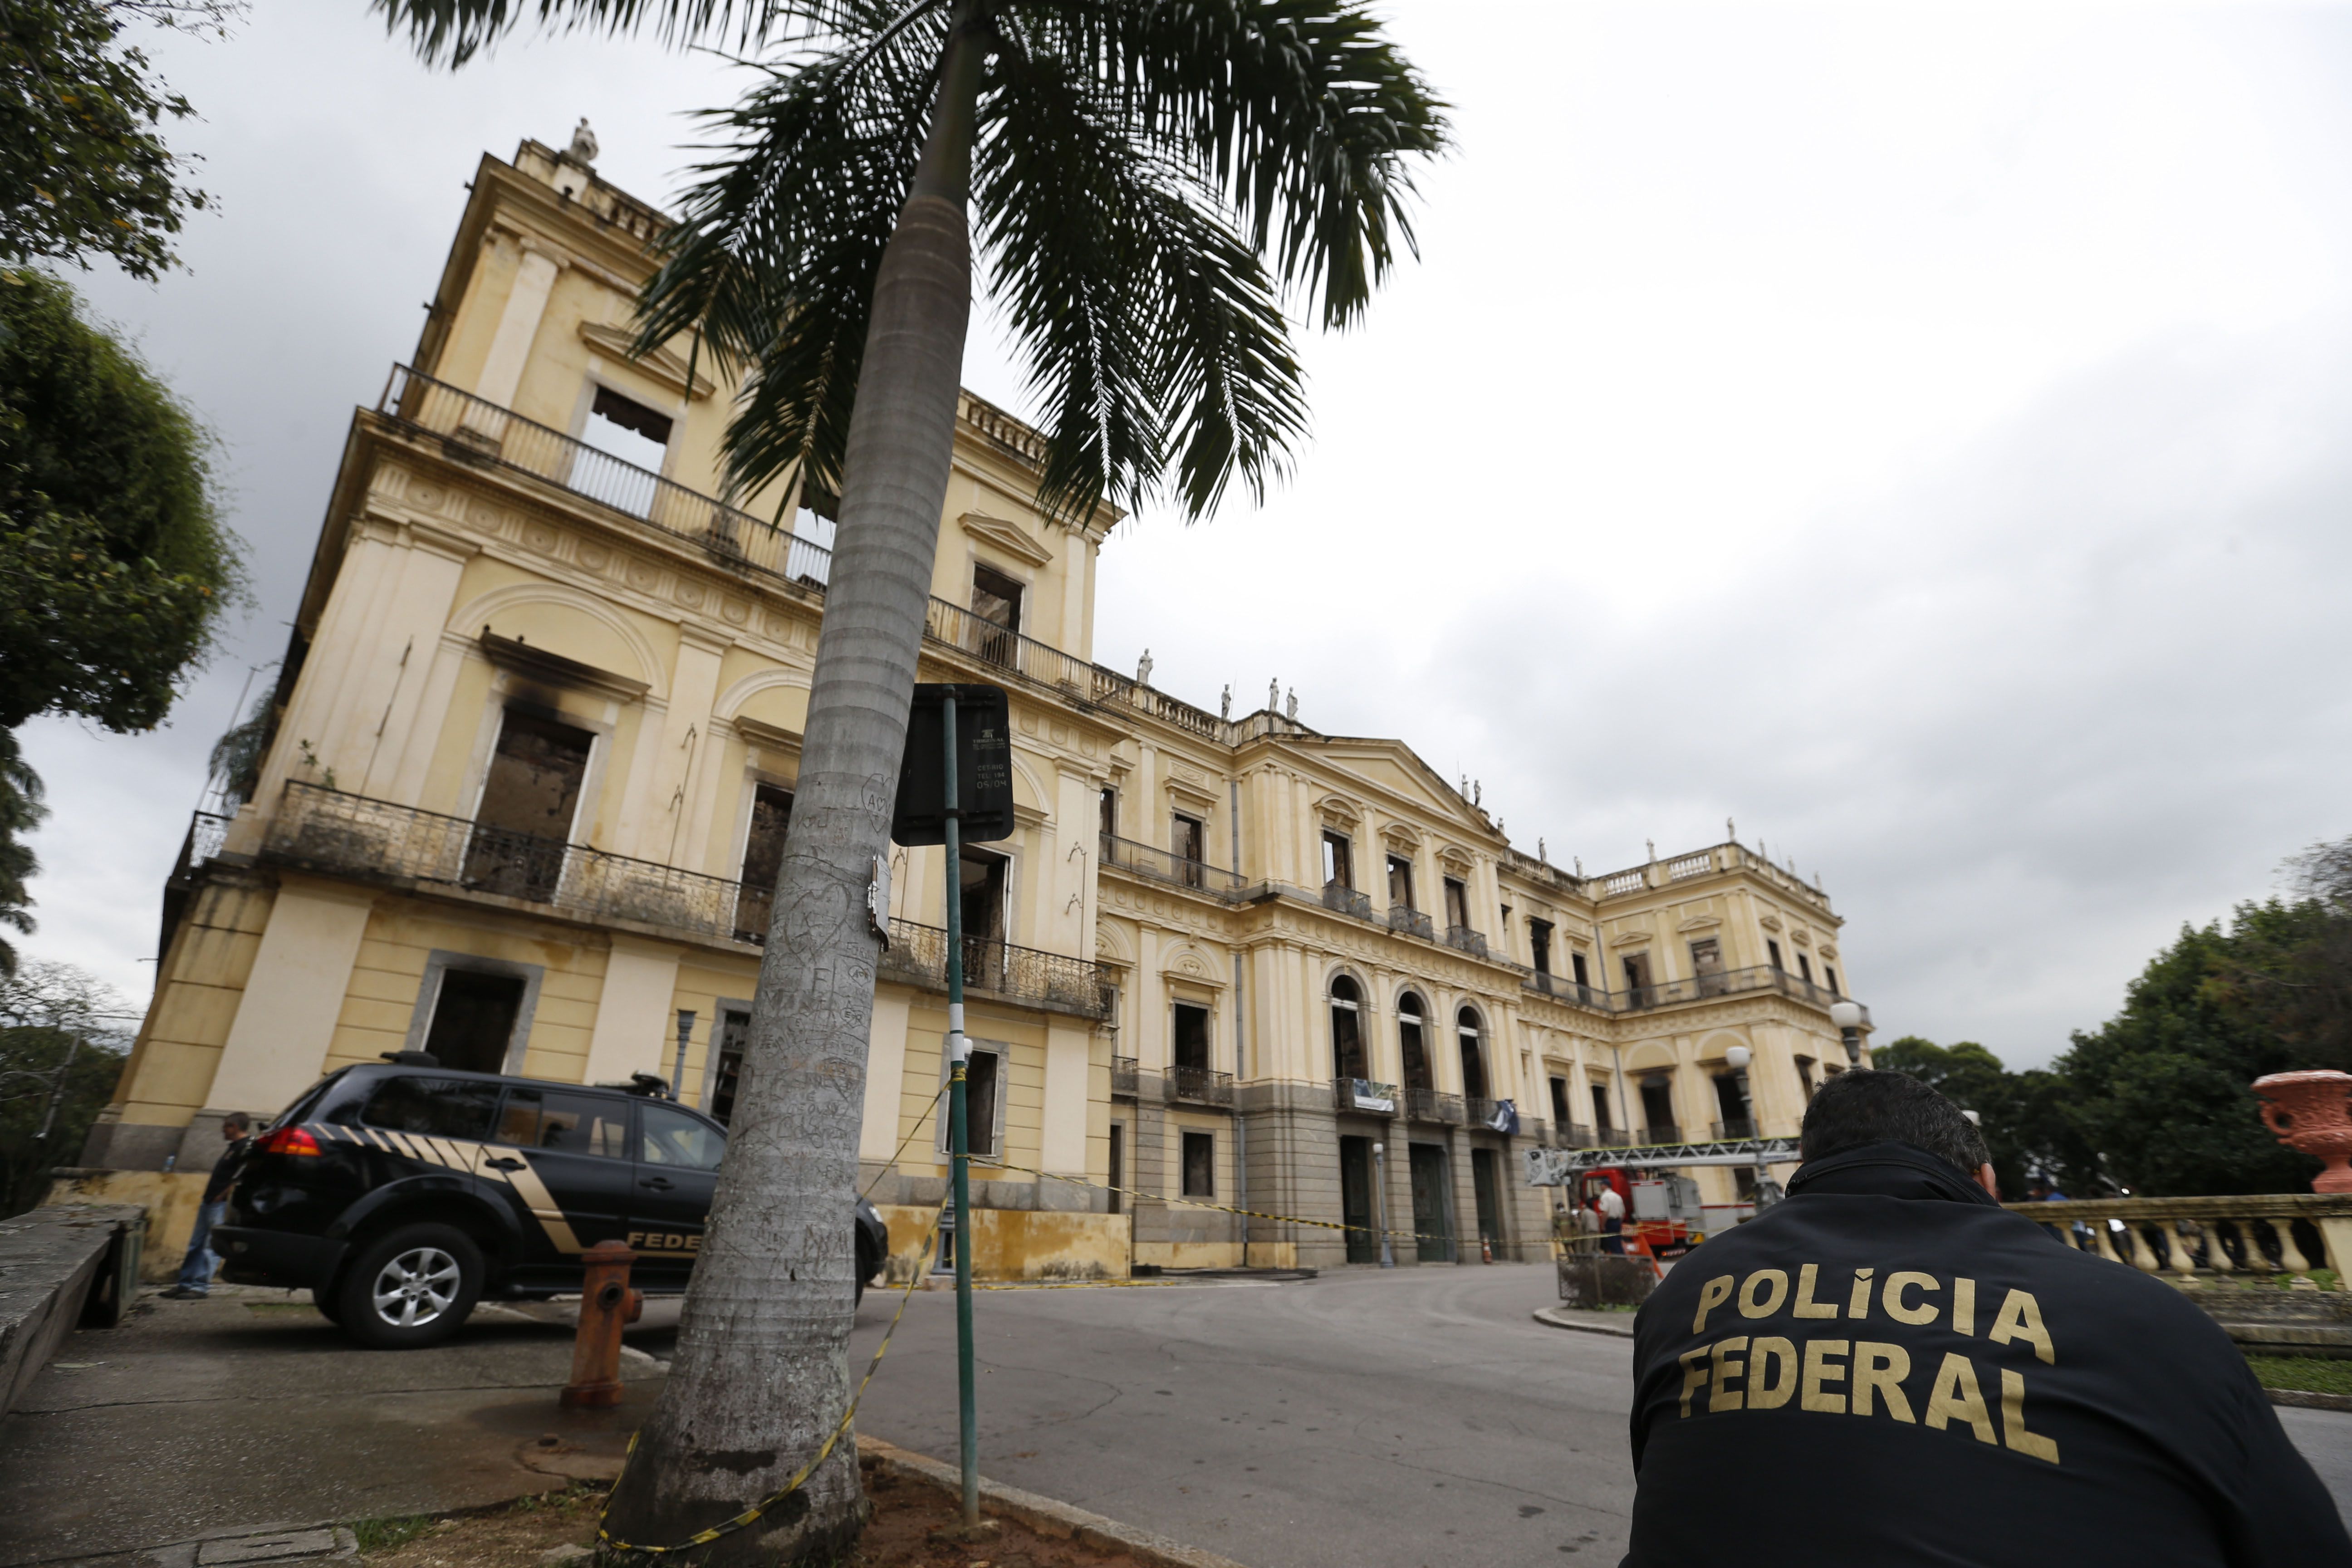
[1889, 1368]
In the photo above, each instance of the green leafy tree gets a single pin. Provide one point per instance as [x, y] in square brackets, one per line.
[2162, 1090]
[1143, 180]
[2023, 1114]
[115, 566]
[62, 1046]
[21, 811]
[84, 170]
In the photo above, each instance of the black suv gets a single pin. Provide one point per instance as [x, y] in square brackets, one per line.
[401, 1194]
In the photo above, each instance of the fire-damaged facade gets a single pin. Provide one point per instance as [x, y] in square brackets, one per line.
[530, 768]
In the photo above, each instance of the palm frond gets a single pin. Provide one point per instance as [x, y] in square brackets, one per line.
[775, 256]
[1301, 111]
[454, 31]
[1152, 328]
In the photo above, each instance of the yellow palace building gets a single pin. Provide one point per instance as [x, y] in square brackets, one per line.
[532, 757]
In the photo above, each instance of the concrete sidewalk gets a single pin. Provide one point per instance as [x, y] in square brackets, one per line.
[249, 1411]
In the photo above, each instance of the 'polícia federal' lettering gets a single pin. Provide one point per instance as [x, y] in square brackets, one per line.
[1765, 1371]
[1907, 1296]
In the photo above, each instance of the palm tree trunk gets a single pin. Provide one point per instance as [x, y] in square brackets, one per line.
[761, 1375]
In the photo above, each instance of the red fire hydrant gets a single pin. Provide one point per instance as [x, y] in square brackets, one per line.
[606, 1303]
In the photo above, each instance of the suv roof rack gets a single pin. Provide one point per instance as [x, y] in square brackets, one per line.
[651, 1085]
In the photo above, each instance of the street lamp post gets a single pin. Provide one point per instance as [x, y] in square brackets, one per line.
[1380, 1192]
[1847, 1017]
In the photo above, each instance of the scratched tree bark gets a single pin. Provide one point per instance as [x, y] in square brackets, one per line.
[770, 1311]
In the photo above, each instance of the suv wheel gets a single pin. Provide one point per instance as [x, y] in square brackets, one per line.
[409, 1288]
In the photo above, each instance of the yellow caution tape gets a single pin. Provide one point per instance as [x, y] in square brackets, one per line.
[1219, 1208]
[752, 1515]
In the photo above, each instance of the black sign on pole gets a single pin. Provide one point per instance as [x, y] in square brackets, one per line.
[983, 767]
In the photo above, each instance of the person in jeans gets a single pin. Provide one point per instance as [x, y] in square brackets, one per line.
[196, 1269]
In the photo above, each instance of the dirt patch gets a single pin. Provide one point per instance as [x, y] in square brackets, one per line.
[527, 1533]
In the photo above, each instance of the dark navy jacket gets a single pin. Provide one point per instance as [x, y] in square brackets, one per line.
[1888, 1368]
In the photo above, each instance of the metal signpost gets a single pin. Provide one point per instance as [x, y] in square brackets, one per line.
[975, 801]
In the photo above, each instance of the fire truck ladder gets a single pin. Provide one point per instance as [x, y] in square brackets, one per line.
[1560, 1167]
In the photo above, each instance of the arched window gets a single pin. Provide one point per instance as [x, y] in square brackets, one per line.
[1348, 1058]
[1412, 1046]
[1474, 1055]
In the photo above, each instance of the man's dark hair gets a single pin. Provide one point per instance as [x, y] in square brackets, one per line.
[237, 1119]
[1856, 1110]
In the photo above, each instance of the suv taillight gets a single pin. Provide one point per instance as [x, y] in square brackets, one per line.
[289, 1141]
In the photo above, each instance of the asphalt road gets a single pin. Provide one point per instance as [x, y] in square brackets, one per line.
[1366, 1419]
[1401, 1420]
[1363, 1419]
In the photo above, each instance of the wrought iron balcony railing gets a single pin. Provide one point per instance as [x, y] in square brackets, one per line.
[474, 430]
[1347, 901]
[1662, 1132]
[1570, 1135]
[1124, 1073]
[1362, 1095]
[1164, 866]
[918, 956]
[1736, 1127]
[1567, 990]
[1726, 983]
[351, 835]
[1411, 922]
[1468, 941]
[1428, 1105]
[322, 830]
[1205, 1085]
[1479, 1110]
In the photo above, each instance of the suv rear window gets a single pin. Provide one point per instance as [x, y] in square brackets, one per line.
[673, 1138]
[569, 1124]
[437, 1107]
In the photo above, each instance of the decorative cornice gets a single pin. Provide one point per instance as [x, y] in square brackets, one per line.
[665, 363]
[1006, 537]
[538, 664]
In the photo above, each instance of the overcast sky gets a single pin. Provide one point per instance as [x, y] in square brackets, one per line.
[1914, 430]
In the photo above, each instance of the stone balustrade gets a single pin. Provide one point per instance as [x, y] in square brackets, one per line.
[2210, 1241]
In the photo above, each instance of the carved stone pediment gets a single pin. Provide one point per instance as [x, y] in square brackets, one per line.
[1340, 811]
[665, 365]
[1005, 536]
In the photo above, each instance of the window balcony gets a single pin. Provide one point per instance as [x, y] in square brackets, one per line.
[1052, 981]
[1571, 1135]
[1567, 990]
[1200, 1085]
[1479, 1110]
[1126, 1074]
[1411, 922]
[1362, 1096]
[1611, 1138]
[1735, 1128]
[340, 834]
[1163, 865]
[1470, 941]
[476, 433]
[322, 830]
[1662, 1132]
[1347, 901]
[1428, 1105]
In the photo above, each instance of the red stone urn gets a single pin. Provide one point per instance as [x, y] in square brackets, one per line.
[2309, 1111]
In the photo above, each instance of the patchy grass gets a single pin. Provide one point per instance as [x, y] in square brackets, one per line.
[523, 1534]
[2304, 1374]
[382, 1536]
